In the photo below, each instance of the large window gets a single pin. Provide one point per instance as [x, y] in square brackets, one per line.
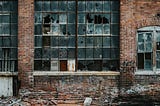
[76, 35]
[148, 48]
[8, 36]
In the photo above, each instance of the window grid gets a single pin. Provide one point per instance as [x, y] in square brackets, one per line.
[96, 47]
[8, 36]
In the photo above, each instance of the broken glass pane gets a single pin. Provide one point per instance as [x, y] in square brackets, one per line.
[98, 6]
[71, 42]
[46, 40]
[106, 52]
[54, 41]
[6, 19]
[37, 65]
[62, 5]
[106, 29]
[89, 53]
[54, 5]
[46, 5]
[63, 41]
[38, 29]
[71, 53]
[38, 6]
[90, 28]
[97, 53]
[55, 29]
[13, 41]
[140, 47]
[90, 18]
[38, 41]
[115, 18]
[106, 18]
[89, 41]
[115, 29]
[114, 53]
[81, 53]
[148, 37]
[148, 47]
[6, 28]
[106, 41]
[98, 41]
[81, 6]
[140, 61]
[46, 52]
[46, 65]
[115, 41]
[38, 53]
[71, 29]
[98, 29]
[106, 6]
[71, 6]
[81, 18]
[63, 19]
[6, 42]
[14, 29]
[81, 41]
[81, 29]
[140, 37]
[71, 18]
[55, 18]
[38, 17]
[63, 53]
[13, 53]
[54, 52]
[115, 5]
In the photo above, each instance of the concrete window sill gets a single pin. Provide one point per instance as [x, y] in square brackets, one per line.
[8, 74]
[49, 73]
[149, 72]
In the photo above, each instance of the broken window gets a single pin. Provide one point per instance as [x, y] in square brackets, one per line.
[148, 55]
[77, 35]
[8, 36]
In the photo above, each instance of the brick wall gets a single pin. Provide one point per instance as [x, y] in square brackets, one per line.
[134, 15]
[68, 87]
[25, 41]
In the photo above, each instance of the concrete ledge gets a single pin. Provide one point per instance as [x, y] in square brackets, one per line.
[147, 72]
[49, 73]
[8, 74]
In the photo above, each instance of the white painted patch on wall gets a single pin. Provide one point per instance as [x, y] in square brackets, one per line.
[6, 86]
[71, 65]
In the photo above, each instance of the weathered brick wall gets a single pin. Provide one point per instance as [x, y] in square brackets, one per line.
[134, 15]
[25, 41]
[99, 88]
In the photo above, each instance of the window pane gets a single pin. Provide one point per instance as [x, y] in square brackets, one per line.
[54, 41]
[140, 47]
[38, 41]
[71, 53]
[63, 53]
[1, 41]
[46, 65]
[14, 18]
[71, 29]
[140, 61]
[81, 6]
[14, 29]
[81, 41]
[82, 65]
[106, 6]
[13, 41]
[106, 41]
[71, 42]
[6, 19]
[6, 28]
[37, 65]
[89, 53]
[63, 41]
[81, 53]
[89, 6]
[63, 19]
[115, 29]
[54, 5]
[115, 5]
[37, 53]
[98, 29]
[46, 5]
[140, 37]
[62, 5]
[115, 18]
[106, 52]
[56, 29]
[106, 29]
[71, 18]
[148, 62]
[6, 41]
[97, 53]
[46, 40]
[81, 18]
[148, 37]
[46, 53]
[71, 6]
[148, 47]
[89, 41]
[90, 29]
[6, 6]
[38, 29]
[98, 41]
[54, 53]
[98, 6]
[38, 18]
[114, 53]
[81, 29]
[115, 41]
[13, 53]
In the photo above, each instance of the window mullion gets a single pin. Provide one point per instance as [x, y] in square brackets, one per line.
[76, 41]
[154, 50]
